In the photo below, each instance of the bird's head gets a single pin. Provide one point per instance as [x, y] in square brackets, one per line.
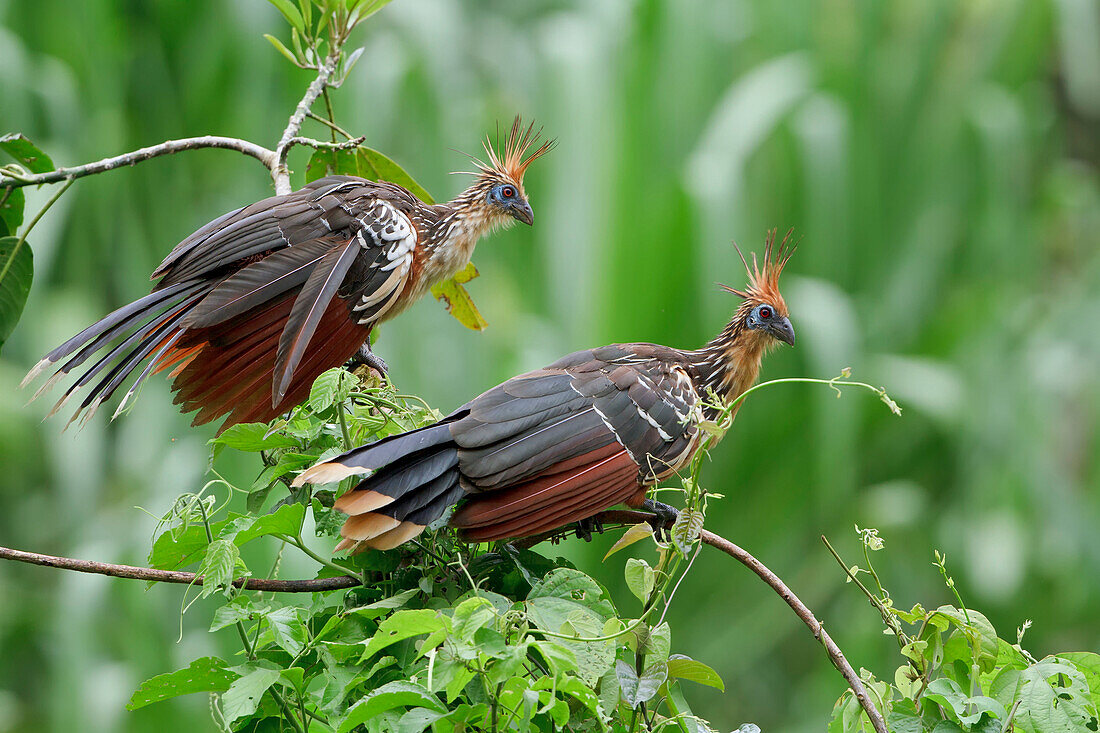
[763, 316]
[499, 185]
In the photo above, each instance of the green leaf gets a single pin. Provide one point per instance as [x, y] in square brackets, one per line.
[206, 674]
[638, 689]
[286, 629]
[239, 609]
[331, 388]
[218, 567]
[470, 616]
[16, 273]
[179, 548]
[403, 625]
[978, 626]
[27, 153]
[281, 48]
[457, 300]
[1088, 664]
[637, 532]
[400, 694]
[417, 719]
[287, 520]
[1054, 697]
[639, 578]
[291, 13]
[253, 437]
[379, 608]
[685, 668]
[11, 211]
[379, 167]
[243, 696]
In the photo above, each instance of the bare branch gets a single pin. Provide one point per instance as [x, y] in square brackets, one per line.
[265, 156]
[175, 576]
[321, 145]
[621, 517]
[279, 172]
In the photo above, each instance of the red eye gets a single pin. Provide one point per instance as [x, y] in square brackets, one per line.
[765, 312]
[507, 192]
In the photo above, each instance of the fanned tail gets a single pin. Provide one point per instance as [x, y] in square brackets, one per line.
[416, 481]
[145, 325]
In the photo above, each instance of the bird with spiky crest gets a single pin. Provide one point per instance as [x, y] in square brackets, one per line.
[560, 444]
[252, 307]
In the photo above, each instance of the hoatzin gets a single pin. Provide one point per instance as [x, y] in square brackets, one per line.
[252, 307]
[560, 444]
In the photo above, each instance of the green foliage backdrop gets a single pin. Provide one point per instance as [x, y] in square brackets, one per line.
[939, 160]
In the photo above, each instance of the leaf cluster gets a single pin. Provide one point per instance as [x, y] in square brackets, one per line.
[959, 676]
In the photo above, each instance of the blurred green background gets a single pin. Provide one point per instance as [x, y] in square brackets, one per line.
[938, 160]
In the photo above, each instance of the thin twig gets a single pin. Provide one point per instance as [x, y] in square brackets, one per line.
[328, 123]
[175, 576]
[322, 145]
[279, 172]
[265, 156]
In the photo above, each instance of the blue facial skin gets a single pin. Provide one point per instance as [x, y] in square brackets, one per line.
[766, 318]
[507, 198]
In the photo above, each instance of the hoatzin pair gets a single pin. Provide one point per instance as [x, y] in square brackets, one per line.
[252, 307]
[560, 444]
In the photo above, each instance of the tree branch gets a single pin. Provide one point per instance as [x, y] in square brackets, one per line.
[279, 172]
[265, 156]
[175, 576]
[622, 517]
[322, 145]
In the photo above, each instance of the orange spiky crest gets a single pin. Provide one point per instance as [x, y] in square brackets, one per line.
[511, 164]
[763, 284]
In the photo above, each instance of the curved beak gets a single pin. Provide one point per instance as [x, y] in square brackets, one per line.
[782, 330]
[523, 212]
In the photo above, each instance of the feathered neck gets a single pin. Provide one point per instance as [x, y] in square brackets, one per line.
[458, 226]
[730, 362]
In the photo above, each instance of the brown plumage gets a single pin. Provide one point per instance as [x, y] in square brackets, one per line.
[252, 307]
[560, 444]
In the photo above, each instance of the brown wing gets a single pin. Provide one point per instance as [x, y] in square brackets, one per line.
[563, 443]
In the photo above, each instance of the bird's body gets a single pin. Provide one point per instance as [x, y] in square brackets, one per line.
[560, 444]
[252, 307]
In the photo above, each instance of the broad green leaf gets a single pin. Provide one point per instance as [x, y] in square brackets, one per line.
[243, 696]
[239, 609]
[16, 273]
[331, 388]
[978, 625]
[179, 548]
[286, 520]
[417, 719]
[11, 211]
[27, 153]
[286, 629]
[253, 437]
[470, 616]
[291, 13]
[218, 567]
[404, 625]
[957, 704]
[1088, 664]
[206, 674]
[904, 718]
[398, 694]
[1054, 697]
[638, 689]
[574, 585]
[365, 163]
[637, 532]
[379, 167]
[379, 608]
[685, 668]
[457, 300]
[639, 578]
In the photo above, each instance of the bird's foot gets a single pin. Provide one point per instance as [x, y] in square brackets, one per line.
[365, 358]
[664, 516]
[585, 528]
